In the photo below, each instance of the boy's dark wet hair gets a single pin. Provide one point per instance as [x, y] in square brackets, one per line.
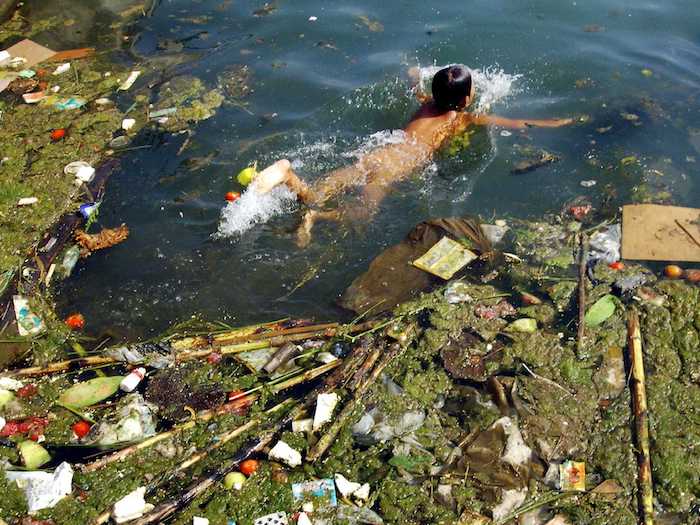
[450, 87]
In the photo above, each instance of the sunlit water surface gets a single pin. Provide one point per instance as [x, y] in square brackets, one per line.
[325, 90]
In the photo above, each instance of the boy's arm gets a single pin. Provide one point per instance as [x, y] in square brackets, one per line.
[493, 120]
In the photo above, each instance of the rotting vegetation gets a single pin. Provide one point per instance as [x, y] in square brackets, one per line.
[38, 140]
[442, 417]
[468, 420]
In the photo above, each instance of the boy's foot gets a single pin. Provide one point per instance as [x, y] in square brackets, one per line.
[304, 229]
[271, 177]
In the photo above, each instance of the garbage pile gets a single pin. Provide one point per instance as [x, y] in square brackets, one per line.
[503, 395]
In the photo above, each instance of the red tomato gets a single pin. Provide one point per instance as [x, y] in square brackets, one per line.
[81, 429]
[27, 391]
[233, 196]
[75, 321]
[58, 134]
[249, 466]
[617, 265]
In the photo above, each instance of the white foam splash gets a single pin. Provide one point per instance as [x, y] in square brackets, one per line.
[254, 208]
[377, 140]
[492, 85]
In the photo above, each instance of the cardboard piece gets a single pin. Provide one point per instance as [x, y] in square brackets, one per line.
[32, 52]
[652, 232]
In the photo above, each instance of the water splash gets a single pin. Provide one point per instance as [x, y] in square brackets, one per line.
[493, 85]
[254, 208]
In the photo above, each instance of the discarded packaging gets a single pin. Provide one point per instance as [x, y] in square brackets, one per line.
[572, 476]
[319, 492]
[131, 381]
[196, 520]
[28, 323]
[86, 210]
[346, 487]
[303, 425]
[325, 404]
[162, 113]
[33, 98]
[70, 103]
[278, 518]
[30, 52]
[303, 519]
[605, 244]
[62, 68]
[457, 292]
[283, 452]
[128, 123]
[136, 421]
[27, 201]
[131, 506]
[44, 490]
[660, 233]
[119, 142]
[129, 81]
[445, 258]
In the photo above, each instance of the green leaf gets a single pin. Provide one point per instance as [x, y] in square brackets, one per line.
[90, 392]
[600, 311]
[525, 325]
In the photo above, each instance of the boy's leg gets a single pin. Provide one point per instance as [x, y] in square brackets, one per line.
[281, 173]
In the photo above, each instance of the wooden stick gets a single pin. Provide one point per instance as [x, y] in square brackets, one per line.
[205, 415]
[201, 485]
[583, 256]
[641, 419]
[362, 384]
[62, 366]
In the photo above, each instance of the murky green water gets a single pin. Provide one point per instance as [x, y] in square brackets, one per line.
[323, 87]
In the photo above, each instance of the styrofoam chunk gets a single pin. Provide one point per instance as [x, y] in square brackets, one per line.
[362, 493]
[302, 425]
[345, 487]
[325, 404]
[283, 452]
[131, 506]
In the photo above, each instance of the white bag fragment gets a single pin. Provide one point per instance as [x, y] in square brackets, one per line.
[325, 404]
[196, 520]
[131, 506]
[44, 489]
[302, 425]
[345, 487]
[283, 452]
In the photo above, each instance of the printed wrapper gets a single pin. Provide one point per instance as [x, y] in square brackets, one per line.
[445, 258]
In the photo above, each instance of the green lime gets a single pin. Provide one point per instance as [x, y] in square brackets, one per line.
[246, 176]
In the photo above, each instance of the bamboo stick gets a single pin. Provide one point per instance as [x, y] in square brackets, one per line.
[206, 415]
[583, 256]
[362, 384]
[224, 339]
[641, 419]
[273, 339]
[62, 366]
[167, 508]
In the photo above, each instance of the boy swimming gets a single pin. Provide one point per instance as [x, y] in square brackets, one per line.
[438, 119]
